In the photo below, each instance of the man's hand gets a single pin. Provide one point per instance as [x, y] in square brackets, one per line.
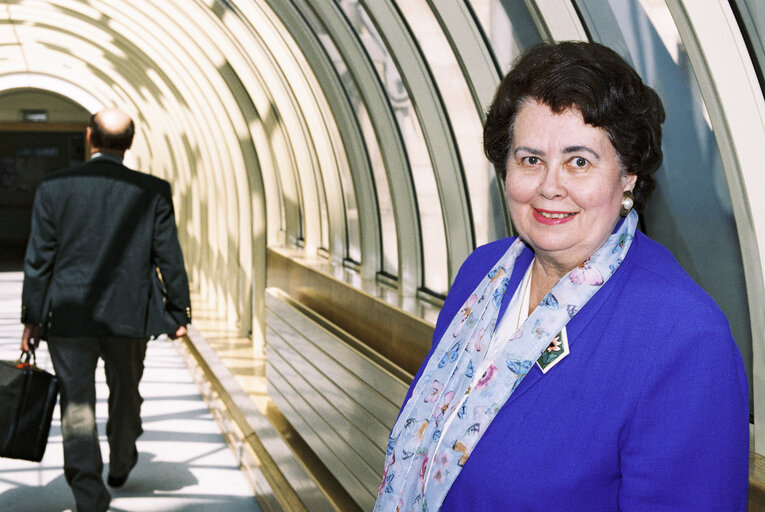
[31, 333]
[180, 332]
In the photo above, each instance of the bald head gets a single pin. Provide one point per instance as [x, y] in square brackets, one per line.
[111, 131]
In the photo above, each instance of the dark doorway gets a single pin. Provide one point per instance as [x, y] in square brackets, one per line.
[28, 153]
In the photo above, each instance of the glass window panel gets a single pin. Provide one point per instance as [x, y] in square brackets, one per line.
[488, 221]
[507, 26]
[384, 201]
[751, 14]
[385, 205]
[323, 211]
[353, 234]
[428, 203]
[690, 212]
[290, 200]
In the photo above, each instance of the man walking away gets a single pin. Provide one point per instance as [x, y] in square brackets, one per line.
[99, 233]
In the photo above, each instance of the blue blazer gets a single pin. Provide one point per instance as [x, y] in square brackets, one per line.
[649, 412]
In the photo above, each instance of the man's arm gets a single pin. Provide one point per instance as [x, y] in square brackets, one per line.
[167, 255]
[38, 267]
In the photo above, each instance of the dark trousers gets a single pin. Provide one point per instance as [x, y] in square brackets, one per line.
[74, 360]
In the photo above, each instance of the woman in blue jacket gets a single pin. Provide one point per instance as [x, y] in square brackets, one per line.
[576, 367]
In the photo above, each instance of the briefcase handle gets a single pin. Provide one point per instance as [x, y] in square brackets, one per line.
[23, 360]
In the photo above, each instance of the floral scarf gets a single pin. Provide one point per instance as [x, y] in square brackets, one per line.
[449, 410]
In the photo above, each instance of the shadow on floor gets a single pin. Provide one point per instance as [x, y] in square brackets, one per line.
[183, 465]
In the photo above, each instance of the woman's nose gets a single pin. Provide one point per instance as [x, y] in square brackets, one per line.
[551, 186]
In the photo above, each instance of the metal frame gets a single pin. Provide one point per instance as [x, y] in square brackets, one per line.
[736, 108]
[354, 159]
[391, 146]
[435, 128]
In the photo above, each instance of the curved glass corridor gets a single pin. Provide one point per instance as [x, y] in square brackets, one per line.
[327, 155]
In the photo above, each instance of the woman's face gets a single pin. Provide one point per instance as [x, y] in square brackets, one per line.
[564, 184]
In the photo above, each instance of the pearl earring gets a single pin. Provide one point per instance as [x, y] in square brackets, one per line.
[628, 201]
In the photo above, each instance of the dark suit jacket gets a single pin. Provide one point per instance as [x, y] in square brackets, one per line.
[99, 230]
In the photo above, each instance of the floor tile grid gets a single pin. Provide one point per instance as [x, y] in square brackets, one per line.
[184, 463]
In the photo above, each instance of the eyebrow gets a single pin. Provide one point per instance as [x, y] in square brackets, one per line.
[569, 149]
[528, 150]
[577, 149]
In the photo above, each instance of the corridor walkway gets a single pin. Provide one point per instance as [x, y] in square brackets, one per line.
[184, 463]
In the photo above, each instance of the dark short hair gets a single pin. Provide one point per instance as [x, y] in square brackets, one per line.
[594, 80]
[104, 139]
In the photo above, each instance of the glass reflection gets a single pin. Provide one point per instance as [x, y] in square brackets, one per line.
[428, 203]
[751, 17]
[507, 26]
[385, 205]
[486, 206]
[351, 214]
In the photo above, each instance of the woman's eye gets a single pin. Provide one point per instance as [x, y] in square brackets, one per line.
[530, 160]
[580, 162]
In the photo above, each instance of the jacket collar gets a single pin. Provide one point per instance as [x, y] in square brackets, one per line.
[106, 156]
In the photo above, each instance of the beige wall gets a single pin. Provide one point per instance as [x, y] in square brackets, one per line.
[60, 109]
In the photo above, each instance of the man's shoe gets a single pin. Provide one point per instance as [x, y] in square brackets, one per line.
[119, 481]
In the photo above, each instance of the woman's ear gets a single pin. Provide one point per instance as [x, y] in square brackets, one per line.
[629, 180]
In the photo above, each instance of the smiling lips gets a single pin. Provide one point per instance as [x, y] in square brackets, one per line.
[551, 218]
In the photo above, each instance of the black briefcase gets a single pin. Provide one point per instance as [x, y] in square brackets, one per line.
[28, 396]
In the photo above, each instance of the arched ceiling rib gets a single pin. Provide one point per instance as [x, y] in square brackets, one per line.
[215, 87]
[164, 64]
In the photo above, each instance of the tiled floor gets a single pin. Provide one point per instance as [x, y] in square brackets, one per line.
[184, 463]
